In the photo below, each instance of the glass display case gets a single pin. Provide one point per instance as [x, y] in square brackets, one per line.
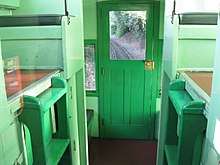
[36, 47]
[17, 79]
[32, 53]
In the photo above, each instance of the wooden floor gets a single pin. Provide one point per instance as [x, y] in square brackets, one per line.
[122, 152]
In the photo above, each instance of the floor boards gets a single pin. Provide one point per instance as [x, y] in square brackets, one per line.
[122, 152]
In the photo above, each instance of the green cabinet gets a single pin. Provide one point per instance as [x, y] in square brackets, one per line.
[186, 127]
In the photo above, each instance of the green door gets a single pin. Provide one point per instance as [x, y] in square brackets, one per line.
[125, 38]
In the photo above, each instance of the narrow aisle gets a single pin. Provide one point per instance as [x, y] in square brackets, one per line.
[122, 152]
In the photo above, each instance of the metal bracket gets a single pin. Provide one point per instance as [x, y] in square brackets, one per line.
[174, 11]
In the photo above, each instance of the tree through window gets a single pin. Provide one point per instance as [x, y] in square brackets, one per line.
[90, 82]
[127, 35]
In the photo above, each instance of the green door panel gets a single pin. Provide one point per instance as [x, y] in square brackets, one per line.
[125, 85]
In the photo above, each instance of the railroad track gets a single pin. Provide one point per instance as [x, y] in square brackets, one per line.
[119, 52]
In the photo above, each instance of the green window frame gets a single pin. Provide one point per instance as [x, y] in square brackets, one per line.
[92, 92]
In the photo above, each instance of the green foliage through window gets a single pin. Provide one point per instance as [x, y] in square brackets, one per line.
[123, 22]
[127, 35]
[90, 82]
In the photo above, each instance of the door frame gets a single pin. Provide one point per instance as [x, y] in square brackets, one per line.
[156, 50]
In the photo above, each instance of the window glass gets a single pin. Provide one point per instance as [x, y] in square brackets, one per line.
[127, 35]
[90, 82]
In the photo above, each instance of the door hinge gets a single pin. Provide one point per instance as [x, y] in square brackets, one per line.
[71, 92]
[103, 122]
[74, 145]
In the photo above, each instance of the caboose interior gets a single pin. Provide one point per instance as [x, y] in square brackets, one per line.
[109, 82]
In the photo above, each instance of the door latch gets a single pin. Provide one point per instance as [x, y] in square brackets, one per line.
[149, 65]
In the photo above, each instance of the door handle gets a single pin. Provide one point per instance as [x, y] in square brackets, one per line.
[149, 65]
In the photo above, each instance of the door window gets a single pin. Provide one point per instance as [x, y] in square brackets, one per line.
[127, 35]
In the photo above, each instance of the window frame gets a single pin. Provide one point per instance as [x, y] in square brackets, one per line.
[88, 42]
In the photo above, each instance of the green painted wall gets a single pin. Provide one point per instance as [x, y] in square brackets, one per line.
[6, 6]
[92, 103]
[90, 19]
[163, 118]
[49, 7]
[10, 132]
[212, 144]
[196, 42]
[4, 114]
[5, 12]
[10, 4]
[190, 51]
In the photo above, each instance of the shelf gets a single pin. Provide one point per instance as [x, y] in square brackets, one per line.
[25, 79]
[182, 101]
[36, 116]
[51, 96]
[183, 113]
[179, 100]
[56, 149]
[171, 154]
